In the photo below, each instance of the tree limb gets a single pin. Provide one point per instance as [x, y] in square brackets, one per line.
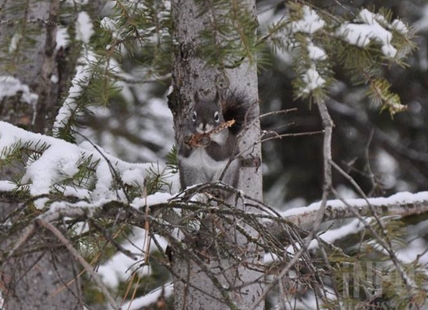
[401, 204]
[81, 260]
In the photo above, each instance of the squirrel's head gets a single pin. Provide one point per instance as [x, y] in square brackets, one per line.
[206, 114]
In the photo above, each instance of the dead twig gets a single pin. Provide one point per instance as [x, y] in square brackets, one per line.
[80, 259]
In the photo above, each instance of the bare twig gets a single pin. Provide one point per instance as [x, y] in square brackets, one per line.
[81, 260]
[25, 235]
[113, 171]
[327, 158]
[278, 112]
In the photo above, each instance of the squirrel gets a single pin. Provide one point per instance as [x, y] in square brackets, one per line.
[211, 139]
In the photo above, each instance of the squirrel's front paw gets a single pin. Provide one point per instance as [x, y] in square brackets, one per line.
[197, 140]
[205, 140]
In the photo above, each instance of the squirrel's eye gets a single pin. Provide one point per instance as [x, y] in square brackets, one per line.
[194, 116]
[216, 117]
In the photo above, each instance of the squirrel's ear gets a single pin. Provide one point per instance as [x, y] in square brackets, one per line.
[196, 97]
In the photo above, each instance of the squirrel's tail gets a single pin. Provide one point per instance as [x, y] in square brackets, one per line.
[235, 105]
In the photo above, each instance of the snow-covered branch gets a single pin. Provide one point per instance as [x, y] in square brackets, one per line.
[85, 171]
[401, 205]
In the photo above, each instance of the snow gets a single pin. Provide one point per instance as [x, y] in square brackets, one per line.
[62, 37]
[117, 268]
[312, 79]
[9, 86]
[387, 166]
[316, 53]
[84, 27]
[156, 198]
[81, 79]
[109, 24]
[399, 26]
[150, 298]
[399, 198]
[332, 235]
[370, 27]
[413, 252]
[310, 22]
[46, 171]
[14, 42]
[7, 186]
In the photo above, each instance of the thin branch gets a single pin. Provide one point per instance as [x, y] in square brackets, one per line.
[81, 260]
[283, 272]
[386, 245]
[25, 235]
[327, 157]
[118, 246]
[286, 111]
[113, 171]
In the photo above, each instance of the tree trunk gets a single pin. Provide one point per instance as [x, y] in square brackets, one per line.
[221, 282]
[41, 274]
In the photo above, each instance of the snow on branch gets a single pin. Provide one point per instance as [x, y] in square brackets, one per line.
[54, 165]
[369, 27]
[400, 204]
[79, 82]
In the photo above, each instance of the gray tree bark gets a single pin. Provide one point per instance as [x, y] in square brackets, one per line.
[220, 283]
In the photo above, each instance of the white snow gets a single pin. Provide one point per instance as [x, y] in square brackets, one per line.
[108, 24]
[370, 27]
[62, 37]
[55, 164]
[84, 27]
[81, 79]
[399, 198]
[413, 251]
[14, 42]
[310, 22]
[312, 79]
[387, 166]
[150, 298]
[399, 26]
[7, 186]
[335, 234]
[9, 86]
[316, 53]
[156, 198]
